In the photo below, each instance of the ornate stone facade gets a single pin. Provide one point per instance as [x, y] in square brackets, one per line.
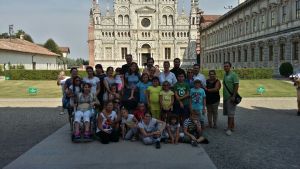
[143, 28]
[256, 34]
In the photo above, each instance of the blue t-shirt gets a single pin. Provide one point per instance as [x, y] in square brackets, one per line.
[142, 88]
[132, 80]
[197, 97]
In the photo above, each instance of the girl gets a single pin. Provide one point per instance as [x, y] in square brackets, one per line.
[108, 129]
[142, 87]
[166, 100]
[128, 125]
[173, 129]
[93, 80]
[153, 98]
[85, 103]
[113, 93]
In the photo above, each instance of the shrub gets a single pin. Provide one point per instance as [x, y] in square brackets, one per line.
[246, 73]
[37, 74]
[286, 69]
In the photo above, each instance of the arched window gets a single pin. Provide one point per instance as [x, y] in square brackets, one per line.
[126, 20]
[170, 20]
[120, 20]
[164, 20]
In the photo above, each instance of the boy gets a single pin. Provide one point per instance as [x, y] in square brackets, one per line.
[182, 94]
[192, 130]
[198, 101]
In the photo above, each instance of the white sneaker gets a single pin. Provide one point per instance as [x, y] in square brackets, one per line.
[228, 132]
[62, 113]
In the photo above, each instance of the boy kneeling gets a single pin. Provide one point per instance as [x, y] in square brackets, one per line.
[192, 130]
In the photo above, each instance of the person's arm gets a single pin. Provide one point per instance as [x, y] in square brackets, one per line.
[172, 102]
[216, 88]
[188, 134]
[148, 96]
[100, 120]
[177, 135]
[106, 86]
[174, 80]
[163, 126]
[98, 89]
[160, 101]
[144, 133]
[204, 105]
[123, 131]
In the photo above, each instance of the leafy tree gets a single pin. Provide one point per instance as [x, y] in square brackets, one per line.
[52, 46]
[26, 36]
[286, 69]
[4, 36]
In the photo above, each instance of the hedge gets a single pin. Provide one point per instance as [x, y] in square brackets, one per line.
[52, 74]
[37, 74]
[261, 73]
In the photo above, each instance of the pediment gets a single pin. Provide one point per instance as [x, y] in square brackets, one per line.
[145, 9]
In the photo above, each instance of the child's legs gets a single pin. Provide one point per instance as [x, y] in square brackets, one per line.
[86, 118]
[155, 113]
[201, 117]
[77, 118]
[130, 133]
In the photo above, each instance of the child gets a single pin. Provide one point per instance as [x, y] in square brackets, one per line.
[173, 129]
[198, 101]
[153, 98]
[192, 130]
[128, 125]
[166, 100]
[182, 94]
[140, 111]
[142, 87]
[113, 93]
[119, 79]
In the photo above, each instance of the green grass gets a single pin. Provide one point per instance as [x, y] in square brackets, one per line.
[49, 89]
[18, 89]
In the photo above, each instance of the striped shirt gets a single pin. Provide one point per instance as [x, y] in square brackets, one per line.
[190, 125]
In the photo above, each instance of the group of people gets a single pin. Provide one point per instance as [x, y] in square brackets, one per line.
[149, 105]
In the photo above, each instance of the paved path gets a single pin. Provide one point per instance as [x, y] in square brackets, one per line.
[58, 152]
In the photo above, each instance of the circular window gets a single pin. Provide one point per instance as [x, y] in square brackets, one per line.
[146, 22]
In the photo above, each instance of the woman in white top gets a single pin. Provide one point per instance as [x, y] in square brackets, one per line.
[93, 80]
[108, 126]
[167, 75]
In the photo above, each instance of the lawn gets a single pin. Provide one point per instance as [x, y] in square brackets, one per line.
[49, 89]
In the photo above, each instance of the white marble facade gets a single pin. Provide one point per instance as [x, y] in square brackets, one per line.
[143, 28]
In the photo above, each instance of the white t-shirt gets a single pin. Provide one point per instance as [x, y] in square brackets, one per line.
[94, 82]
[170, 77]
[129, 121]
[106, 125]
[151, 127]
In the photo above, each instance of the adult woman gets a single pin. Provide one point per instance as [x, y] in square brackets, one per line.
[190, 78]
[151, 129]
[167, 75]
[101, 75]
[61, 80]
[131, 97]
[213, 86]
[109, 80]
[91, 79]
[107, 129]
[85, 103]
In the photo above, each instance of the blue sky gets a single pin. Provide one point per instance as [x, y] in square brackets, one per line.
[66, 21]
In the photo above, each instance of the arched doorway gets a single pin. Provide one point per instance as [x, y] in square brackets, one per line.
[145, 53]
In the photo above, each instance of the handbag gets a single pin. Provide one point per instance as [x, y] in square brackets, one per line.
[237, 98]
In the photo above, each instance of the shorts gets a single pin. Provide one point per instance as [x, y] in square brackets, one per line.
[185, 111]
[229, 108]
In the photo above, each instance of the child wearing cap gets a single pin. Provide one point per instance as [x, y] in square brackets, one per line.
[198, 101]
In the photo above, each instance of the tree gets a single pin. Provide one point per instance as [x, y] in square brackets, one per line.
[286, 69]
[52, 46]
[26, 36]
[4, 36]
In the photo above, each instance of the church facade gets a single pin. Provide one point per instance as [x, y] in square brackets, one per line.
[143, 28]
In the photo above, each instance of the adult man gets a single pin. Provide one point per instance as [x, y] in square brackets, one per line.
[198, 75]
[125, 68]
[230, 90]
[176, 69]
[296, 79]
[150, 63]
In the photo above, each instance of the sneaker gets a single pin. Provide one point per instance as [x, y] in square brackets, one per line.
[62, 113]
[157, 145]
[228, 132]
[87, 135]
[133, 138]
[194, 143]
[76, 137]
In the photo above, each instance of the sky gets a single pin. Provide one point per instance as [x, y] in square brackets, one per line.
[66, 21]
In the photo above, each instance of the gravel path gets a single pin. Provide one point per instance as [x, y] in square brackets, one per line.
[267, 134]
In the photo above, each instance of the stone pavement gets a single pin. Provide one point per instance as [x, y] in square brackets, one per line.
[57, 152]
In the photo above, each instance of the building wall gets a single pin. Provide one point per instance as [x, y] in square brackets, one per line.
[123, 29]
[17, 58]
[258, 33]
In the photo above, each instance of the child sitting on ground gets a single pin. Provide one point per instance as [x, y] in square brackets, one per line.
[192, 130]
[173, 128]
[128, 125]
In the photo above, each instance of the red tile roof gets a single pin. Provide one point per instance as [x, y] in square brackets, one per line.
[64, 49]
[24, 46]
[210, 18]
